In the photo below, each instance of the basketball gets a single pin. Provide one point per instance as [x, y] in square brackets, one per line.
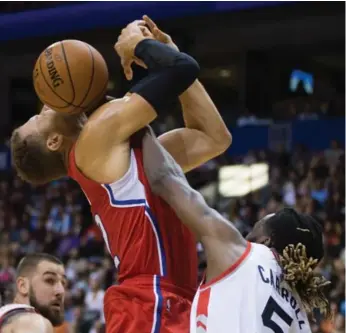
[70, 76]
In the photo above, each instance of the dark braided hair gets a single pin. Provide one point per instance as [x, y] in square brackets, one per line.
[298, 239]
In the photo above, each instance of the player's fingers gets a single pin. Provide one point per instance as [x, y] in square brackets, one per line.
[151, 24]
[139, 22]
[128, 73]
[146, 32]
[159, 34]
[117, 47]
[140, 63]
[136, 23]
[126, 63]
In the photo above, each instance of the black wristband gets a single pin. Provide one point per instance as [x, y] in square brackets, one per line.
[157, 55]
[170, 73]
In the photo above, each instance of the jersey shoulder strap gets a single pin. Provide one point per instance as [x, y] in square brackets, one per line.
[10, 310]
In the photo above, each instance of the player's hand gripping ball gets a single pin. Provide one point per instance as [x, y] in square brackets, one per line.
[70, 77]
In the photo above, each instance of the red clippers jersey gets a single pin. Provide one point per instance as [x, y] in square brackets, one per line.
[141, 232]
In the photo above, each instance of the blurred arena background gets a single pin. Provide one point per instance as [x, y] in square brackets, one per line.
[276, 71]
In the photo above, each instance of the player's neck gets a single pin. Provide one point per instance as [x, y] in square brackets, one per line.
[98, 104]
[19, 299]
[68, 145]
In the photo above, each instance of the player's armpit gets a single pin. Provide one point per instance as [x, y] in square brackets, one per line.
[29, 323]
[190, 147]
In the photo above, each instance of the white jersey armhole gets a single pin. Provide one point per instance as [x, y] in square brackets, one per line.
[128, 191]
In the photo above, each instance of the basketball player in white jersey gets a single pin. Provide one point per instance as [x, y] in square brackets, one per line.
[39, 301]
[263, 284]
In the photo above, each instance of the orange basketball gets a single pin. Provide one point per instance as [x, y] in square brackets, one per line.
[70, 76]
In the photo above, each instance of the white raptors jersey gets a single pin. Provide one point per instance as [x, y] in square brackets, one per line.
[6, 310]
[249, 298]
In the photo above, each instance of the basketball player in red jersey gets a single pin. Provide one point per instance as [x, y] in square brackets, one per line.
[154, 253]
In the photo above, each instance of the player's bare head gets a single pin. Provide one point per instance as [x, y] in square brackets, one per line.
[298, 240]
[37, 146]
[41, 281]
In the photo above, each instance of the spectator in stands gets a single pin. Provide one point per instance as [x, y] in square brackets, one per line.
[247, 118]
[307, 113]
[94, 302]
[334, 153]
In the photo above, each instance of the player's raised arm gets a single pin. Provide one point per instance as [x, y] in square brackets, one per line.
[205, 135]
[170, 74]
[167, 179]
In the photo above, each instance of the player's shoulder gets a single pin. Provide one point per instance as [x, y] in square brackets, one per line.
[261, 251]
[264, 256]
[110, 106]
[28, 322]
[13, 307]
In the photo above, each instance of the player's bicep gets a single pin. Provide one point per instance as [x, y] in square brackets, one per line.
[222, 242]
[135, 114]
[107, 131]
[217, 227]
[189, 147]
[116, 121]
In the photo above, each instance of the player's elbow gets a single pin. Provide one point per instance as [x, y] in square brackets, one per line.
[221, 142]
[188, 68]
[225, 140]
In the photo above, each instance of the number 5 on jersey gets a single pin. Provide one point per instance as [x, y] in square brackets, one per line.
[268, 313]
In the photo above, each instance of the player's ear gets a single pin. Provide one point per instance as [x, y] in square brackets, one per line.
[22, 285]
[54, 141]
[264, 240]
[267, 241]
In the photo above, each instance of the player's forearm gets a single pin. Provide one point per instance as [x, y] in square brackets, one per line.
[188, 204]
[200, 113]
[206, 223]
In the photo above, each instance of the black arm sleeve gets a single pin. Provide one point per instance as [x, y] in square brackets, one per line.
[170, 72]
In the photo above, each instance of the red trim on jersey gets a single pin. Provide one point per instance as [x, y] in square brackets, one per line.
[200, 324]
[202, 307]
[230, 269]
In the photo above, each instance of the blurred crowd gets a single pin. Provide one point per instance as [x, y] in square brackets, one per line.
[312, 183]
[300, 108]
[56, 219]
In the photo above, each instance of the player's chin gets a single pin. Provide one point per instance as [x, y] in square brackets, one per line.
[56, 315]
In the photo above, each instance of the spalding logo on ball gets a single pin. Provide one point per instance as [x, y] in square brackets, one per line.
[52, 71]
[70, 76]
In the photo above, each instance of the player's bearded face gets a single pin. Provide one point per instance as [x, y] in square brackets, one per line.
[49, 310]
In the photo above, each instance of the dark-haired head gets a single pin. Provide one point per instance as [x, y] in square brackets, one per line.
[290, 227]
[298, 239]
[41, 283]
